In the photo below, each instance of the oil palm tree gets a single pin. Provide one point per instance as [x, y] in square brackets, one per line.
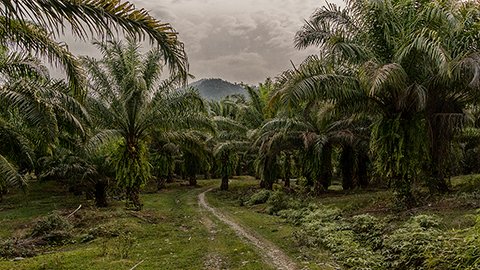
[355, 70]
[422, 53]
[315, 129]
[128, 101]
[231, 138]
[33, 109]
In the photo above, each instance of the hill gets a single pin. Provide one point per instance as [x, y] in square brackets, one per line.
[216, 89]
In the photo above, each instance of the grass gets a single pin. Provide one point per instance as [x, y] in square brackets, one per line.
[457, 211]
[171, 233]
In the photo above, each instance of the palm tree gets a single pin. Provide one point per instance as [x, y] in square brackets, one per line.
[428, 48]
[128, 101]
[231, 139]
[315, 129]
[448, 44]
[31, 24]
[34, 108]
[360, 70]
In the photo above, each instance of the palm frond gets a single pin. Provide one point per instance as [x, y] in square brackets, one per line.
[101, 17]
[9, 176]
[32, 37]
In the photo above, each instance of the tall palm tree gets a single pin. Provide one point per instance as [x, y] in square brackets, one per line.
[428, 48]
[359, 69]
[128, 101]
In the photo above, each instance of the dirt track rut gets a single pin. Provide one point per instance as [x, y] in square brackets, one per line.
[271, 254]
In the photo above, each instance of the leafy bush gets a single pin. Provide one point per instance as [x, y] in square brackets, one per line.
[52, 222]
[406, 247]
[259, 197]
[425, 221]
[363, 241]
[294, 216]
[277, 201]
[368, 230]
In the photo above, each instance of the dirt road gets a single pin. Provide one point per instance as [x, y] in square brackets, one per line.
[271, 254]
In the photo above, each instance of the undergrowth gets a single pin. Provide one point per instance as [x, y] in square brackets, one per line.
[364, 241]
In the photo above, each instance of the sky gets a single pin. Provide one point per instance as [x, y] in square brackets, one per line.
[236, 40]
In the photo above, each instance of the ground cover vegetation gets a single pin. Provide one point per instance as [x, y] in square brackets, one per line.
[387, 110]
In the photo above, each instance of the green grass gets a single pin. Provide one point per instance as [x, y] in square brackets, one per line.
[173, 233]
[178, 240]
[457, 211]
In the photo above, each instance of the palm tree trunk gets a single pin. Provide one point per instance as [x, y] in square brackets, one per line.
[346, 163]
[101, 194]
[325, 177]
[362, 173]
[224, 171]
[133, 198]
[441, 136]
[192, 180]
[170, 176]
[270, 172]
[287, 175]
[224, 184]
[161, 181]
[238, 168]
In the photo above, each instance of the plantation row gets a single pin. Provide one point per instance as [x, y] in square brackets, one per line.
[390, 99]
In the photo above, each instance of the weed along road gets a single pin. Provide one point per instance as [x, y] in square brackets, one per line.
[271, 254]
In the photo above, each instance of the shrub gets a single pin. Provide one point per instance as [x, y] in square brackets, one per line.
[52, 222]
[294, 216]
[277, 201]
[406, 247]
[259, 197]
[425, 221]
[368, 230]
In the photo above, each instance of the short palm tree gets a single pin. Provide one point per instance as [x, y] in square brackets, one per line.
[128, 101]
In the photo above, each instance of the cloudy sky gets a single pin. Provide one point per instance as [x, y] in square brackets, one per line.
[240, 41]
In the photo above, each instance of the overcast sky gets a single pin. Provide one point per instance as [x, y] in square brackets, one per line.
[240, 41]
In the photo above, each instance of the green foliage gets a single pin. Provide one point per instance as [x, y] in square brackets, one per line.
[400, 152]
[259, 197]
[407, 246]
[366, 242]
[130, 99]
[125, 243]
[131, 165]
[368, 230]
[11, 248]
[277, 201]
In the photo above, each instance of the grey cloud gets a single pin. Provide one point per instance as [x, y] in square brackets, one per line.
[236, 40]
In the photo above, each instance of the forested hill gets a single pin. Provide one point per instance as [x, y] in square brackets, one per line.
[216, 89]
